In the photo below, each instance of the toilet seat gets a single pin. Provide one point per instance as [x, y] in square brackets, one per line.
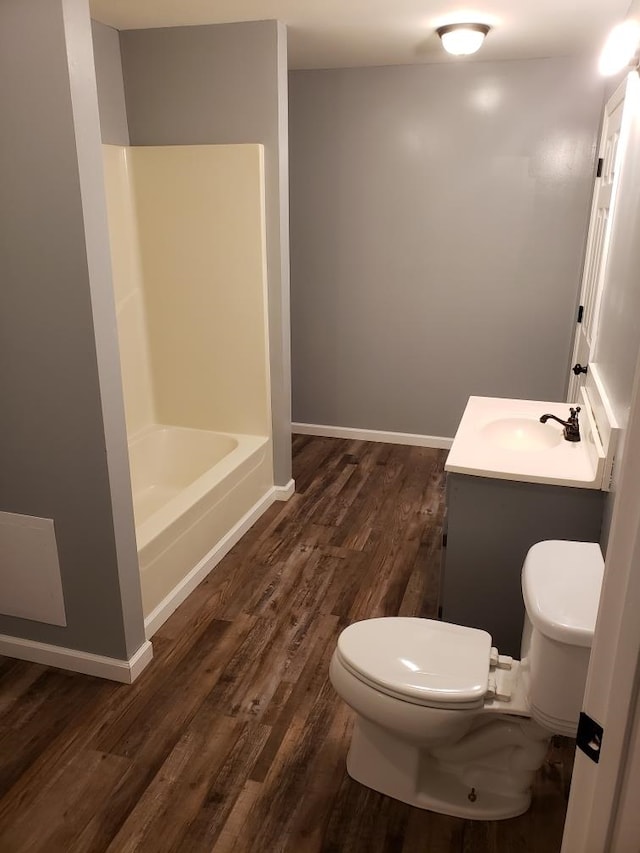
[420, 661]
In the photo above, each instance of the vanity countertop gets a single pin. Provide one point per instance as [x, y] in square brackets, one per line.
[503, 439]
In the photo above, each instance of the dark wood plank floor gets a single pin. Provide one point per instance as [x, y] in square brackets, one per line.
[233, 739]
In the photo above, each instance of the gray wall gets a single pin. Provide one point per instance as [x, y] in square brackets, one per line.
[62, 436]
[111, 103]
[225, 84]
[438, 218]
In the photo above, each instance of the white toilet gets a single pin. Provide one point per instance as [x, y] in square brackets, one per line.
[446, 723]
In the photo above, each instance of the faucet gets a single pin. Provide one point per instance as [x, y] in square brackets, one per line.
[571, 429]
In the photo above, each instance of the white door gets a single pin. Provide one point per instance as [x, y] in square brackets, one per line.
[610, 154]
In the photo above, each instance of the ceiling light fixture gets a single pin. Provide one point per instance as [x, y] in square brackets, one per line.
[462, 39]
[620, 47]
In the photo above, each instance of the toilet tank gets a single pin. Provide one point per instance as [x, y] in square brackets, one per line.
[561, 583]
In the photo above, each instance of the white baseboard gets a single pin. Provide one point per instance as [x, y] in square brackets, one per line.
[114, 669]
[283, 493]
[182, 590]
[412, 439]
[139, 661]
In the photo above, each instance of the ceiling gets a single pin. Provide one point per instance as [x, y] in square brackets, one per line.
[344, 33]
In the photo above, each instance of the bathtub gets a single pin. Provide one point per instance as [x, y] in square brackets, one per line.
[192, 490]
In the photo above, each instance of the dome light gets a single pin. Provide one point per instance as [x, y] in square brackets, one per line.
[620, 47]
[462, 39]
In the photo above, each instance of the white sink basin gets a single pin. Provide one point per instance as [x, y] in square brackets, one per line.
[522, 434]
[504, 439]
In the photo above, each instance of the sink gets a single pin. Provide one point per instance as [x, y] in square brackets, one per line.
[503, 439]
[522, 434]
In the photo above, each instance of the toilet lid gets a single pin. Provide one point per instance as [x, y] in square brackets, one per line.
[421, 660]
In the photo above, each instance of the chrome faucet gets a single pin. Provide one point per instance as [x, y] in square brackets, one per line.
[571, 429]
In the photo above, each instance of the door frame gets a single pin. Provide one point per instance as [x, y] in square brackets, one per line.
[595, 810]
[600, 814]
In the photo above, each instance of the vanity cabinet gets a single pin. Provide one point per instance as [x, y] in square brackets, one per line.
[491, 524]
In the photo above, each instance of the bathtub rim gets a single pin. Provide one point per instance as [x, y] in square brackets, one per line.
[187, 497]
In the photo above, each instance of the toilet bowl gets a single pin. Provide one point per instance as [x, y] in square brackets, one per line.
[444, 722]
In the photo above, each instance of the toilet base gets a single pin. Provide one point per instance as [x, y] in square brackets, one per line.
[385, 763]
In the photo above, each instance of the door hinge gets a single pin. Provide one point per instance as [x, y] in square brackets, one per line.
[589, 737]
[600, 165]
[580, 313]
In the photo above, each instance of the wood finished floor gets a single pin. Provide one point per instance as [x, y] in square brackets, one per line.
[233, 738]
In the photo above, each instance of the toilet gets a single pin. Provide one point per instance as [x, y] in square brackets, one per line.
[447, 723]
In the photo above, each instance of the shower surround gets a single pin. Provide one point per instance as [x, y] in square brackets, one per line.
[188, 253]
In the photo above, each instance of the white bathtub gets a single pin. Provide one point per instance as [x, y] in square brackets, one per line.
[191, 488]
